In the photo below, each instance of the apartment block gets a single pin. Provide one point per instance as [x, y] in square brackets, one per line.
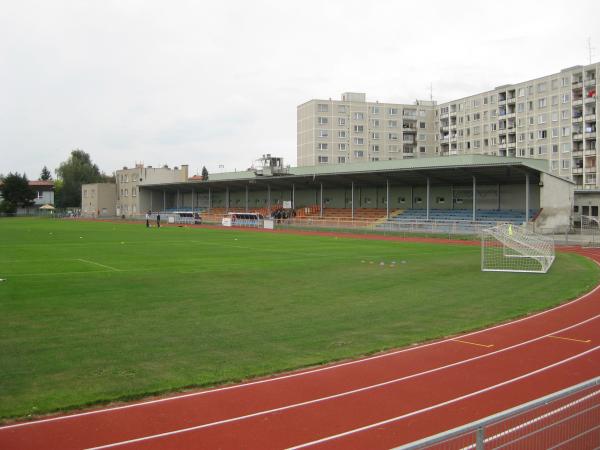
[354, 130]
[128, 180]
[98, 199]
[551, 117]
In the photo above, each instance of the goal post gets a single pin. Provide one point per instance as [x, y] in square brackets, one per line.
[513, 248]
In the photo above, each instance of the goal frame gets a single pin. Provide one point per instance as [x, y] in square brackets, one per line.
[522, 251]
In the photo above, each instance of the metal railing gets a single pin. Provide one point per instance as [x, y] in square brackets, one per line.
[570, 417]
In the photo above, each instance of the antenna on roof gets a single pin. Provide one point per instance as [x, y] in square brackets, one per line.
[590, 48]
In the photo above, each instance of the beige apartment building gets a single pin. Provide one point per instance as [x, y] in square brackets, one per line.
[354, 130]
[552, 117]
[128, 180]
[98, 200]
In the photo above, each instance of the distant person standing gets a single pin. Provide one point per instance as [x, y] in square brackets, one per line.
[148, 219]
[158, 220]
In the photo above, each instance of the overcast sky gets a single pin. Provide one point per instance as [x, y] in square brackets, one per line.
[217, 83]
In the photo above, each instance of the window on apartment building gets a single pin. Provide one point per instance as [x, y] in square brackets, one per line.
[521, 92]
[393, 136]
[422, 125]
[520, 122]
[341, 159]
[341, 134]
[392, 148]
[486, 142]
[476, 130]
[85, 192]
[564, 81]
[521, 137]
[542, 134]
[375, 135]
[542, 118]
[341, 121]
[359, 154]
[541, 87]
[542, 102]
[555, 116]
[566, 131]
[392, 124]
[126, 178]
[359, 128]
[485, 100]
[322, 120]
[421, 149]
[566, 147]
[126, 192]
[342, 147]
[530, 106]
[121, 192]
[477, 116]
[133, 192]
[421, 137]
[375, 147]
[530, 90]
[321, 146]
[531, 151]
[375, 123]
[520, 107]
[375, 109]
[322, 107]
[393, 111]
[359, 141]
[565, 164]
[565, 98]
[341, 108]
[521, 152]
[323, 159]
[476, 103]
[421, 113]
[494, 126]
[492, 99]
[554, 148]
[554, 132]
[323, 133]
[358, 116]
[531, 120]
[476, 144]
[565, 115]
[554, 100]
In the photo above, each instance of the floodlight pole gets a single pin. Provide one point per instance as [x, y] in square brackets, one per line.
[427, 200]
[526, 197]
[474, 197]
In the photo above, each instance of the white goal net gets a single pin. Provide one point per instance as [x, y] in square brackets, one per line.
[512, 248]
[590, 231]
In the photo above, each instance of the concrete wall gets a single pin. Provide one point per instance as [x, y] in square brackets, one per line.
[99, 199]
[557, 203]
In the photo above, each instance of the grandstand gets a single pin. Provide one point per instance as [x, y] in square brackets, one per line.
[457, 189]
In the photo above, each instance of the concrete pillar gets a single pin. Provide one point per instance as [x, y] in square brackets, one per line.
[293, 196]
[474, 199]
[387, 199]
[246, 198]
[321, 202]
[209, 199]
[227, 199]
[427, 198]
[526, 198]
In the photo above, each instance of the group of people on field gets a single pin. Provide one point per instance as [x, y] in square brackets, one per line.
[148, 215]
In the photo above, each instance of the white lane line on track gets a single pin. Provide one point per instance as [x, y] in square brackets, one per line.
[323, 399]
[439, 405]
[312, 371]
[97, 264]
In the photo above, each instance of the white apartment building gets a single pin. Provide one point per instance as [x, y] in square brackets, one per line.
[128, 181]
[552, 117]
[354, 130]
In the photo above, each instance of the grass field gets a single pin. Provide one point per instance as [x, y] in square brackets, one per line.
[94, 312]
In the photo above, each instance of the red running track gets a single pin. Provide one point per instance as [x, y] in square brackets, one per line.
[376, 402]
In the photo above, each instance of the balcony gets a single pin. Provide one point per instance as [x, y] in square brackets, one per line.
[590, 117]
[589, 99]
[591, 169]
[577, 84]
[577, 170]
[577, 102]
[590, 151]
[590, 82]
[577, 153]
[577, 136]
[590, 134]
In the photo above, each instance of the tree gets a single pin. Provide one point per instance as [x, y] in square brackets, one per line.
[74, 172]
[45, 175]
[16, 192]
[204, 174]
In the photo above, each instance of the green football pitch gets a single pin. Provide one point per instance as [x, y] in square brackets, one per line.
[94, 312]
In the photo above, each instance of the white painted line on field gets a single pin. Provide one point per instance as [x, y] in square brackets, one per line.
[97, 264]
[327, 368]
[439, 405]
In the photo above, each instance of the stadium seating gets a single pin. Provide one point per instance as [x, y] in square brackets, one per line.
[481, 215]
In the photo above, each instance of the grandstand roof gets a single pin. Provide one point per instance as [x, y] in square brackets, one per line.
[446, 170]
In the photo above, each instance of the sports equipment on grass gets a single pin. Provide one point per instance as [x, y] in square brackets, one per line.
[512, 248]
